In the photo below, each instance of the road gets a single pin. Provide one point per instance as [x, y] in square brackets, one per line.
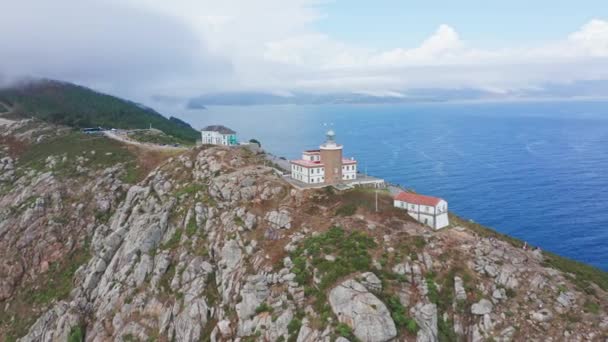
[126, 140]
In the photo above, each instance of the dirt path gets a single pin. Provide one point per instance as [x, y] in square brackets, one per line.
[5, 122]
[146, 146]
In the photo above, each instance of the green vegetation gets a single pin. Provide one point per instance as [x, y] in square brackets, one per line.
[156, 137]
[347, 210]
[484, 231]
[350, 251]
[190, 190]
[293, 328]
[591, 307]
[399, 314]
[129, 338]
[255, 141]
[174, 241]
[97, 152]
[361, 198]
[54, 285]
[264, 307]
[191, 227]
[345, 331]
[59, 284]
[212, 294]
[443, 297]
[582, 274]
[165, 281]
[77, 334]
[445, 330]
[77, 106]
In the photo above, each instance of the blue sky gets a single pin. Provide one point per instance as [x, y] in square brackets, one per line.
[390, 23]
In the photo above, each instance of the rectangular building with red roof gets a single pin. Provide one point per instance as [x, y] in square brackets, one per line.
[428, 210]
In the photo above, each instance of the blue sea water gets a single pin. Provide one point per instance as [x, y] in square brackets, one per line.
[537, 171]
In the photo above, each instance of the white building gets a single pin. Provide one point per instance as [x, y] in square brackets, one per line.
[430, 211]
[218, 135]
[325, 165]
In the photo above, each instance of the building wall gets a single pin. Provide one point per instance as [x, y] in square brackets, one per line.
[307, 175]
[434, 217]
[311, 157]
[349, 171]
[332, 160]
[442, 221]
[215, 138]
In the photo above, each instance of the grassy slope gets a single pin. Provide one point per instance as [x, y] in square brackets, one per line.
[76, 106]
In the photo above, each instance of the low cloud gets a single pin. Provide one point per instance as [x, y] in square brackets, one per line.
[141, 48]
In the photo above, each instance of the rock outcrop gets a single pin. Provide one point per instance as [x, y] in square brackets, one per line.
[355, 306]
[212, 245]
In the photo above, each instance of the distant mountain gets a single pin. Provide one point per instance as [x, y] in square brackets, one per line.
[261, 98]
[77, 106]
[579, 89]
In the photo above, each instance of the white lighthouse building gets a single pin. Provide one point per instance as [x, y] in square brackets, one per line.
[325, 165]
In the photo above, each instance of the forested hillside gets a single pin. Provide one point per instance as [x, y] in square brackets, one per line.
[77, 106]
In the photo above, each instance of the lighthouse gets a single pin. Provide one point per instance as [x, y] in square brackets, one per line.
[331, 155]
[324, 166]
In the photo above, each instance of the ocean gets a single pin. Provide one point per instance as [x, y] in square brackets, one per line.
[537, 171]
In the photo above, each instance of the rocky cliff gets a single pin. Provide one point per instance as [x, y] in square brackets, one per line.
[210, 245]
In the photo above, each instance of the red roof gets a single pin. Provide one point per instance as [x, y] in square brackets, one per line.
[310, 163]
[417, 199]
[306, 163]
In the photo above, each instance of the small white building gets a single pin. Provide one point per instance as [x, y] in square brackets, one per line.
[325, 165]
[218, 135]
[430, 211]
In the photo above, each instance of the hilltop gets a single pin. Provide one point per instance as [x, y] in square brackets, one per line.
[212, 245]
[76, 106]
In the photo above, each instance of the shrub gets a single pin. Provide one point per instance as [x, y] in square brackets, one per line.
[346, 210]
[445, 330]
[411, 326]
[255, 141]
[345, 331]
[264, 307]
[77, 334]
[174, 240]
[400, 316]
[190, 190]
[433, 293]
[293, 328]
[191, 227]
[591, 307]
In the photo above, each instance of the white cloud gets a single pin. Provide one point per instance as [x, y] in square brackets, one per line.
[592, 38]
[187, 47]
[443, 44]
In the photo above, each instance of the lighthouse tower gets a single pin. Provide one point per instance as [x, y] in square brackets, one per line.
[331, 155]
